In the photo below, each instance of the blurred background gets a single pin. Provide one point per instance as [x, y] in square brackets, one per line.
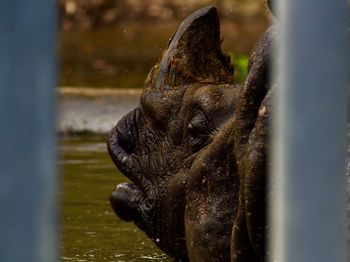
[106, 48]
[115, 42]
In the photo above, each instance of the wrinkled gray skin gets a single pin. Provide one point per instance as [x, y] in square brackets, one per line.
[195, 149]
[237, 157]
[186, 100]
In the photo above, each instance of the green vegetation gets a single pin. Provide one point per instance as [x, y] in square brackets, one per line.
[240, 63]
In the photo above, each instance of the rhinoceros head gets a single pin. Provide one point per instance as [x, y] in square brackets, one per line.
[187, 98]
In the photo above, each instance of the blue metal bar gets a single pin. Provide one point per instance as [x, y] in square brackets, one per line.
[28, 206]
[310, 132]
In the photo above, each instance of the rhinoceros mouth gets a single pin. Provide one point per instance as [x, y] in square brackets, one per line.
[129, 203]
[124, 201]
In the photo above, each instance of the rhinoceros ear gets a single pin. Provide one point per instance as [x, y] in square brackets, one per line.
[194, 54]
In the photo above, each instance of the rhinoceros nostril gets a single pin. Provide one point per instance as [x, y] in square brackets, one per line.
[126, 140]
[127, 131]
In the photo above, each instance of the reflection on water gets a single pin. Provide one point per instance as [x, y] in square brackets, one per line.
[90, 230]
[88, 110]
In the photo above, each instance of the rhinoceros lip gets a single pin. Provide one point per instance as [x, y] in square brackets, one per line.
[126, 200]
[134, 201]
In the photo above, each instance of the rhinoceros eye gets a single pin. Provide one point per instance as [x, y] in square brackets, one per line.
[197, 126]
[198, 129]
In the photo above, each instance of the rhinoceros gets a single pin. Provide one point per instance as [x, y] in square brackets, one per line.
[195, 149]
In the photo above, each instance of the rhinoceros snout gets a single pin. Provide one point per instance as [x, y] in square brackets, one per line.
[125, 200]
[124, 136]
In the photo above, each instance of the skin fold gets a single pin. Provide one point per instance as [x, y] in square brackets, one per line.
[186, 100]
[250, 149]
[195, 149]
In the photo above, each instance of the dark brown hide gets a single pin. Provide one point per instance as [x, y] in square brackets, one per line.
[196, 149]
[186, 100]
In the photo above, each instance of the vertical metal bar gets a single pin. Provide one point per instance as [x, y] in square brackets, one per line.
[310, 132]
[27, 135]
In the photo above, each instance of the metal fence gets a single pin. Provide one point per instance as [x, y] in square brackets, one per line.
[309, 145]
[28, 207]
[308, 207]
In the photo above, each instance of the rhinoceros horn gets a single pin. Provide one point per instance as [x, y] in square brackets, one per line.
[194, 54]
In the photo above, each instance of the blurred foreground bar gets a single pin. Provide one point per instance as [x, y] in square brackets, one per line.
[310, 132]
[28, 206]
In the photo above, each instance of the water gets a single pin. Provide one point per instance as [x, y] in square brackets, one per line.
[124, 54]
[90, 231]
[89, 110]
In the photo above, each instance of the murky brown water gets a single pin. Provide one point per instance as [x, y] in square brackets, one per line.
[89, 229]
